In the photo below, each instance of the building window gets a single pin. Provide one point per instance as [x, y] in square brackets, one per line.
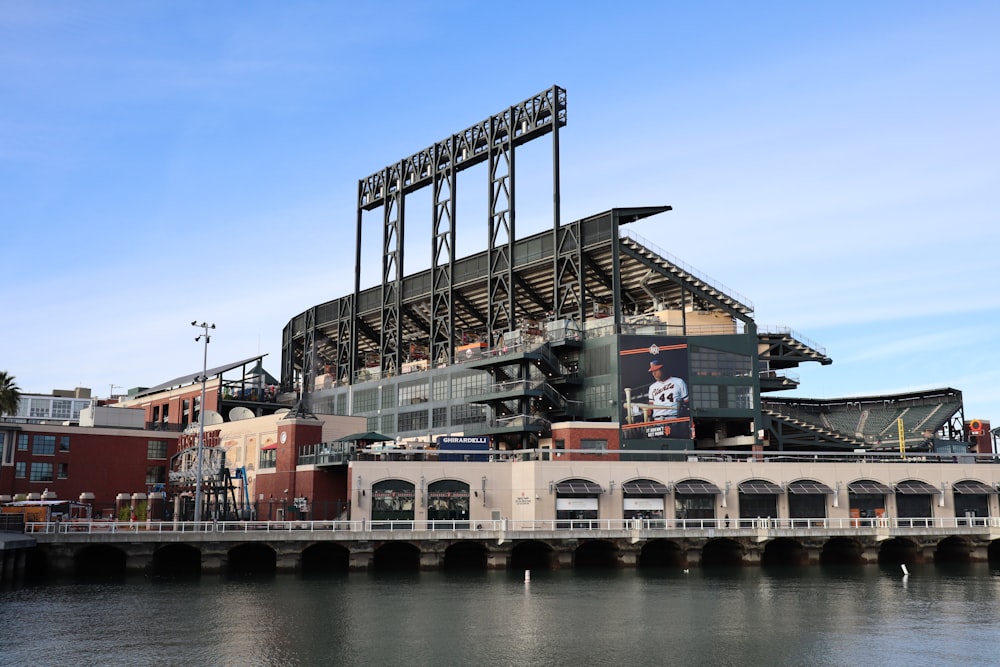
[156, 449]
[41, 472]
[64, 443]
[415, 420]
[468, 413]
[388, 425]
[43, 445]
[268, 458]
[597, 397]
[388, 396]
[739, 397]
[341, 404]
[77, 406]
[705, 395]
[467, 384]
[365, 400]
[722, 396]
[440, 389]
[20, 468]
[411, 393]
[22, 442]
[439, 417]
[589, 443]
[63, 471]
[40, 408]
[62, 409]
[156, 475]
[706, 362]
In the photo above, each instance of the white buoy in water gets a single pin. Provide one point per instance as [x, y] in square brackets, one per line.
[527, 576]
[906, 572]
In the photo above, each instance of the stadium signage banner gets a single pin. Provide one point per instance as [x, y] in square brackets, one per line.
[467, 443]
[653, 375]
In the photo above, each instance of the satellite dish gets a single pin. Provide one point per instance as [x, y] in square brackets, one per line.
[282, 411]
[212, 418]
[240, 413]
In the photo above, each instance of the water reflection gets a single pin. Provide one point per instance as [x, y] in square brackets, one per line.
[719, 616]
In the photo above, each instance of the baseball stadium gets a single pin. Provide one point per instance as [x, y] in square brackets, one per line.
[564, 326]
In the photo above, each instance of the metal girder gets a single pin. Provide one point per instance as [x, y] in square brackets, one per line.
[785, 350]
[493, 139]
[529, 119]
[309, 358]
[786, 433]
[409, 313]
[345, 349]
[470, 307]
[287, 356]
[365, 329]
[597, 271]
[442, 333]
[568, 274]
[531, 293]
[501, 229]
[392, 278]
[692, 290]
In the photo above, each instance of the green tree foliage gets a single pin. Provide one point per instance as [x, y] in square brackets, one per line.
[10, 394]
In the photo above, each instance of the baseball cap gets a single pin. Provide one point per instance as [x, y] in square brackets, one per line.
[655, 365]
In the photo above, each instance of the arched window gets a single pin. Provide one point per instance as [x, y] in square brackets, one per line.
[392, 502]
[694, 503]
[643, 499]
[577, 503]
[867, 500]
[758, 500]
[448, 502]
[807, 500]
[972, 501]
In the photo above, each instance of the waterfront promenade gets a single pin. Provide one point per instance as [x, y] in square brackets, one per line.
[298, 546]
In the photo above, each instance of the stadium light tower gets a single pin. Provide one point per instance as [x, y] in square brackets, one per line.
[201, 416]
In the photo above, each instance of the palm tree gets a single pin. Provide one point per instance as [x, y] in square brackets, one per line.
[10, 394]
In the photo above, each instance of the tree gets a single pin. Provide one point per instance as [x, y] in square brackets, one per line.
[10, 394]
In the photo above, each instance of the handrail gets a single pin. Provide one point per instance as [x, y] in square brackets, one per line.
[736, 526]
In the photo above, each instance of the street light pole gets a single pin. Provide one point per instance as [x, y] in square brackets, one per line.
[201, 417]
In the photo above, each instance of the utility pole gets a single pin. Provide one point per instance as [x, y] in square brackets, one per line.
[201, 417]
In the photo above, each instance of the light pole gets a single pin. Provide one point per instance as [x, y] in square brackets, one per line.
[201, 417]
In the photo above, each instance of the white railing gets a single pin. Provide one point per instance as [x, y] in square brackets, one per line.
[734, 526]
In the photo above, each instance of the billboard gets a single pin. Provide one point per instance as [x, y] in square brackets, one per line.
[653, 376]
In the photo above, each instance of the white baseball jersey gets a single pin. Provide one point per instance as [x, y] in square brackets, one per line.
[670, 394]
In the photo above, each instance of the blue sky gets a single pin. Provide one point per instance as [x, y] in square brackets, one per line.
[163, 162]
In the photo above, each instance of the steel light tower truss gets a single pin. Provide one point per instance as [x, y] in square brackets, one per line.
[494, 140]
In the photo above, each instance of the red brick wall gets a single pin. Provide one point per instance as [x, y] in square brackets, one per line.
[573, 436]
[98, 462]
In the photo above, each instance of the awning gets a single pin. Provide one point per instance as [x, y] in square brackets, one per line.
[696, 488]
[645, 487]
[578, 488]
[809, 487]
[759, 487]
[915, 487]
[868, 487]
[368, 436]
[268, 447]
[972, 487]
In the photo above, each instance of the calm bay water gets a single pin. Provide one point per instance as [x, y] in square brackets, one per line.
[803, 616]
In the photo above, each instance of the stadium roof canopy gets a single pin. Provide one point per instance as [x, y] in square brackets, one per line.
[191, 378]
